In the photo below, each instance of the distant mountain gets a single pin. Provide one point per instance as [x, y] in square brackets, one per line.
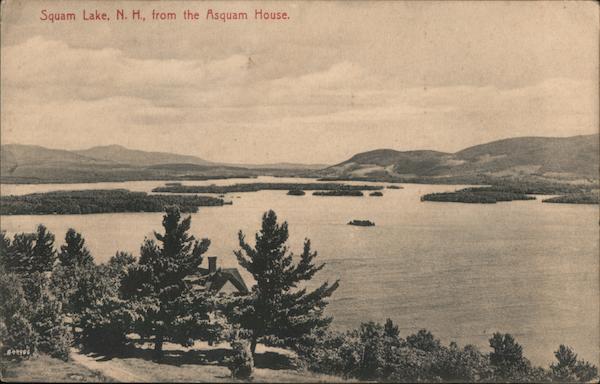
[120, 154]
[571, 158]
[568, 158]
[17, 154]
[35, 164]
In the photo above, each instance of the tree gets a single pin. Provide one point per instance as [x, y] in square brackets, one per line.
[69, 277]
[20, 254]
[103, 317]
[390, 329]
[15, 328]
[28, 252]
[424, 341]
[507, 357]
[569, 369]
[44, 254]
[4, 249]
[276, 307]
[155, 285]
[74, 252]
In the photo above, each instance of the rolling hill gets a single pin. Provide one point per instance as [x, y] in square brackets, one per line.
[35, 164]
[568, 158]
[120, 154]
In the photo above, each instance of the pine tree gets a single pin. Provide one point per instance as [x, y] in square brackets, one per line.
[20, 255]
[44, 254]
[74, 252]
[570, 369]
[4, 249]
[155, 285]
[277, 306]
[28, 252]
[507, 357]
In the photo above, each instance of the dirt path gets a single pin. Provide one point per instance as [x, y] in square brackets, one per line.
[107, 368]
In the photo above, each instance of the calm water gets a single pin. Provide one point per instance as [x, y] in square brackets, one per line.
[462, 271]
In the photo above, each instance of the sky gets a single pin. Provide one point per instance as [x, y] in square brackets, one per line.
[334, 80]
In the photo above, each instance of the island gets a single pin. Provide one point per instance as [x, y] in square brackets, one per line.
[484, 195]
[99, 201]
[362, 223]
[575, 198]
[376, 194]
[339, 192]
[296, 192]
[255, 187]
[393, 187]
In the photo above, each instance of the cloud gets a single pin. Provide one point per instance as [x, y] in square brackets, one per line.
[58, 95]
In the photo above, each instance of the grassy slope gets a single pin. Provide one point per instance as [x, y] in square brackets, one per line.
[47, 369]
[201, 363]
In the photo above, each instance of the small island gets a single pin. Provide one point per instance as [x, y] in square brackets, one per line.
[339, 192]
[296, 192]
[575, 198]
[99, 201]
[484, 195]
[362, 223]
[376, 194]
[393, 187]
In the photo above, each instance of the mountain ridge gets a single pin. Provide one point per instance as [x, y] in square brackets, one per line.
[560, 157]
[572, 158]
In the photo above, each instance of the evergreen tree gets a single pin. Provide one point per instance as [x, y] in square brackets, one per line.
[74, 252]
[156, 287]
[4, 249]
[68, 278]
[20, 254]
[569, 369]
[28, 252]
[276, 306]
[391, 329]
[507, 357]
[44, 254]
[16, 330]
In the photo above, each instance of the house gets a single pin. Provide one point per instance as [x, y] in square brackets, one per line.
[218, 280]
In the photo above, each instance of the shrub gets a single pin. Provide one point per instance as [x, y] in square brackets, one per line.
[424, 341]
[569, 369]
[240, 363]
[54, 336]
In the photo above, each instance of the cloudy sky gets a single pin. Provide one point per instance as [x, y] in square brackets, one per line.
[334, 80]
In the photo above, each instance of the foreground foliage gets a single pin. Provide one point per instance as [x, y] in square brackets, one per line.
[156, 288]
[51, 300]
[276, 307]
[377, 352]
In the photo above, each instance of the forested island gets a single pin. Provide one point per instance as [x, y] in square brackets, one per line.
[519, 190]
[485, 195]
[99, 201]
[576, 198]
[362, 223]
[296, 192]
[339, 192]
[255, 187]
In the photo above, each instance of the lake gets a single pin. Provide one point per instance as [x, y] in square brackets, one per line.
[463, 271]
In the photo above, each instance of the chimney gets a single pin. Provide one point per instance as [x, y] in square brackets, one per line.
[212, 264]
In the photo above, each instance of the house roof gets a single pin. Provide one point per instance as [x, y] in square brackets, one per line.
[216, 281]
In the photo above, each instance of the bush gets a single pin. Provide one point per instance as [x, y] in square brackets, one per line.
[569, 369]
[240, 363]
[32, 321]
[54, 336]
